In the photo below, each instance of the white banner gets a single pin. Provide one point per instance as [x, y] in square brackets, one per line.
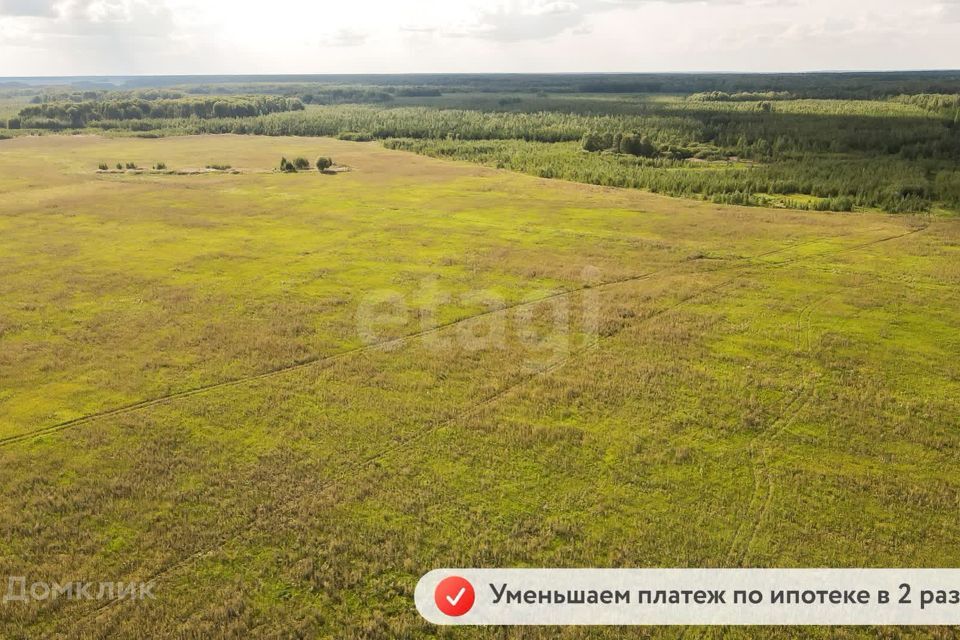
[690, 596]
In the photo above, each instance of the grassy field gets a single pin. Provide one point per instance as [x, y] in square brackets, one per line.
[284, 398]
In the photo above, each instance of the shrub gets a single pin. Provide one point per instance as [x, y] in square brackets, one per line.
[103, 166]
[286, 166]
[219, 167]
[13, 123]
[324, 163]
[947, 184]
[119, 166]
[301, 163]
[354, 136]
[131, 165]
[160, 166]
[593, 142]
[637, 146]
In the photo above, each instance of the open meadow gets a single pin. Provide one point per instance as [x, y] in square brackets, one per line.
[285, 397]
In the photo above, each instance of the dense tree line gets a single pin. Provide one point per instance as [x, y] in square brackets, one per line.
[59, 115]
[856, 85]
[416, 92]
[843, 86]
[347, 95]
[891, 184]
[741, 96]
[822, 85]
[707, 133]
[946, 104]
[104, 94]
[898, 154]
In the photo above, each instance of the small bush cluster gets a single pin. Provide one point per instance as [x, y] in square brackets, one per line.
[354, 136]
[103, 166]
[301, 164]
[626, 143]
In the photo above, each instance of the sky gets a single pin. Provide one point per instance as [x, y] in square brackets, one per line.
[173, 37]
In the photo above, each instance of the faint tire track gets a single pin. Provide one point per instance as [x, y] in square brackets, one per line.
[739, 551]
[422, 433]
[762, 494]
[319, 360]
[352, 470]
[308, 362]
[748, 525]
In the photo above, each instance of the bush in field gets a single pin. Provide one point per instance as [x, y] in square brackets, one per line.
[635, 145]
[286, 166]
[593, 142]
[219, 167]
[131, 165]
[119, 166]
[160, 166]
[354, 136]
[324, 163]
[301, 164]
[947, 184]
[625, 143]
[13, 123]
[103, 166]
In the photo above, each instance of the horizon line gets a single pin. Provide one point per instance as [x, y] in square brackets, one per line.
[478, 73]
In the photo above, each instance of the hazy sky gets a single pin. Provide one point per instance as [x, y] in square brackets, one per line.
[125, 37]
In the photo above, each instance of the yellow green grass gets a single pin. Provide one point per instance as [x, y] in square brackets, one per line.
[762, 387]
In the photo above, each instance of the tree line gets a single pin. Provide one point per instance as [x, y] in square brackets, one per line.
[60, 115]
[751, 134]
[836, 184]
[741, 96]
[896, 155]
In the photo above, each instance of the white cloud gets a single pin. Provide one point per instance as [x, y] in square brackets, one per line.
[119, 37]
[345, 38]
[519, 20]
[32, 8]
[948, 11]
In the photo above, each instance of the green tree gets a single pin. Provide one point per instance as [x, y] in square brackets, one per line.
[592, 142]
[635, 145]
[324, 163]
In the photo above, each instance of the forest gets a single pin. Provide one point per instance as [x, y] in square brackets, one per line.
[839, 142]
[62, 114]
[848, 85]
